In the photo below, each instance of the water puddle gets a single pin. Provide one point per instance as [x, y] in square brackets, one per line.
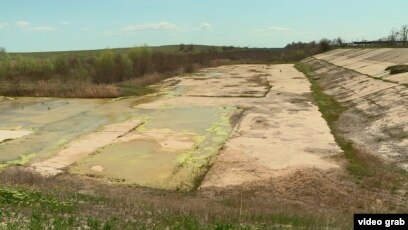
[169, 151]
[142, 162]
[53, 123]
[213, 74]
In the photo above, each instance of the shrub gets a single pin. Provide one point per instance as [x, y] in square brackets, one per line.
[324, 44]
[105, 67]
[141, 58]
[123, 68]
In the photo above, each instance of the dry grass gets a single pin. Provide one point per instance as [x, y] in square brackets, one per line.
[310, 199]
[143, 208]
[60, 89]
[148, 79]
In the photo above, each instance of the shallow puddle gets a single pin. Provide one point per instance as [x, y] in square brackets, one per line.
[193, 119]
[141, 161]
[214, 74]
[53, 123]
[169, 151]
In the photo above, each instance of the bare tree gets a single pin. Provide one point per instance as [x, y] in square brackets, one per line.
[182, 47]
[339, 42]
[393, 37]
[404, 34]
[3, 53]
[324, 44]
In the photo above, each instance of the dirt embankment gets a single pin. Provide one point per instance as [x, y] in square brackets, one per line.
[376, 116]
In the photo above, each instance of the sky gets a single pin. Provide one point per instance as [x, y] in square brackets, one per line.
[53, 25]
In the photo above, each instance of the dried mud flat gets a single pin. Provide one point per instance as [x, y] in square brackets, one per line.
[283, 133]
[277, 134]
[251, 122]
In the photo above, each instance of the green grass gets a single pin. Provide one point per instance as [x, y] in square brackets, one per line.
[24, 208]
[28, 201]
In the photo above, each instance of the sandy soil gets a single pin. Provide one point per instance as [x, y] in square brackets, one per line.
[243, 81]
[270, 142]
[12, 134]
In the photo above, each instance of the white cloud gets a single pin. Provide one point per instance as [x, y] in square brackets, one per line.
[279, 31]
[85, 28]
[151, 26]
[205, 25]
[42, 28]
[275, 29]
[65, 23]
[4, 25]
[25, 25]
[307, 33]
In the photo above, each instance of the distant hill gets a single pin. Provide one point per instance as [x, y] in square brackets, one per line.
[181, 48]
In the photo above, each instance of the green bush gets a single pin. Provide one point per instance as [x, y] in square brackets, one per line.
[105, 67]
[141, 58]
[123, 68]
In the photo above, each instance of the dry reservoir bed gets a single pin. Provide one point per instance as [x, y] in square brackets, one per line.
[250, 122]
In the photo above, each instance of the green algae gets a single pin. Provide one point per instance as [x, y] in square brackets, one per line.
[142, 161]
[145, 162]
[23, 159]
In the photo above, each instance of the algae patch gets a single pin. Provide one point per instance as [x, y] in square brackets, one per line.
[23, 159]
[170, 150]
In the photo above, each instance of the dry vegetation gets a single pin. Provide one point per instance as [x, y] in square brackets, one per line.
[109, 73]
[31, 201]
[306, 199]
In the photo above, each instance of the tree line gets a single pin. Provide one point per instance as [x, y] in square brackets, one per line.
[111, 67]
